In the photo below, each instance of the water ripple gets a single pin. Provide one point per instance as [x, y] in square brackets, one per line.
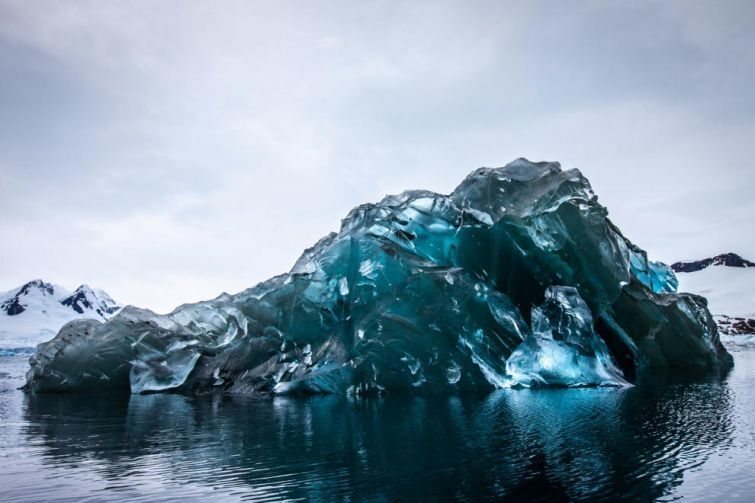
[659, 440]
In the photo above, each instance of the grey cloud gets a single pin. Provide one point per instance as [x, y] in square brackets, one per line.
[167, 153]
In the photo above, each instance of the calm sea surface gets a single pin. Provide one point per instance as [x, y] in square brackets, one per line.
[662, 439]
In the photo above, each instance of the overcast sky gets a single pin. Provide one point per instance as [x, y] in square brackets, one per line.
[169, 151]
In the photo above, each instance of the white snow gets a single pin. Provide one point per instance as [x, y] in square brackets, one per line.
[44, 315]
[729, 290]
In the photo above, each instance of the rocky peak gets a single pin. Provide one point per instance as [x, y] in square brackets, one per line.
[725, 259]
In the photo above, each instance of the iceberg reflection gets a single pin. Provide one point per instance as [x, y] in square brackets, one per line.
[548, 444]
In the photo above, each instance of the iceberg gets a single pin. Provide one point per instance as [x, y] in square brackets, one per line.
[516, 279]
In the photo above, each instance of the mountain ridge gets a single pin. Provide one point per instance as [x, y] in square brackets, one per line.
[35, 311]
[725, 259]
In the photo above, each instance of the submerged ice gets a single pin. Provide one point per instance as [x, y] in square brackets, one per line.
[517, 278]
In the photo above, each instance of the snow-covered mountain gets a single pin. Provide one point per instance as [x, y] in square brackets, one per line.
[728, 282]
[34, 312]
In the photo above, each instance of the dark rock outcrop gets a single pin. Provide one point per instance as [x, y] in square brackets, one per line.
[725, 259]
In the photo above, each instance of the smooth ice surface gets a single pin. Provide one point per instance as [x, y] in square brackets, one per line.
[657, 276]
[420, 291]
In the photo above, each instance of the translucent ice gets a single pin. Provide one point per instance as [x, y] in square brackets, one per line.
[563, 348]
[420, 292]
[657, 276]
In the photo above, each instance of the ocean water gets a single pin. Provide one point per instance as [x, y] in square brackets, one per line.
[663, 439]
